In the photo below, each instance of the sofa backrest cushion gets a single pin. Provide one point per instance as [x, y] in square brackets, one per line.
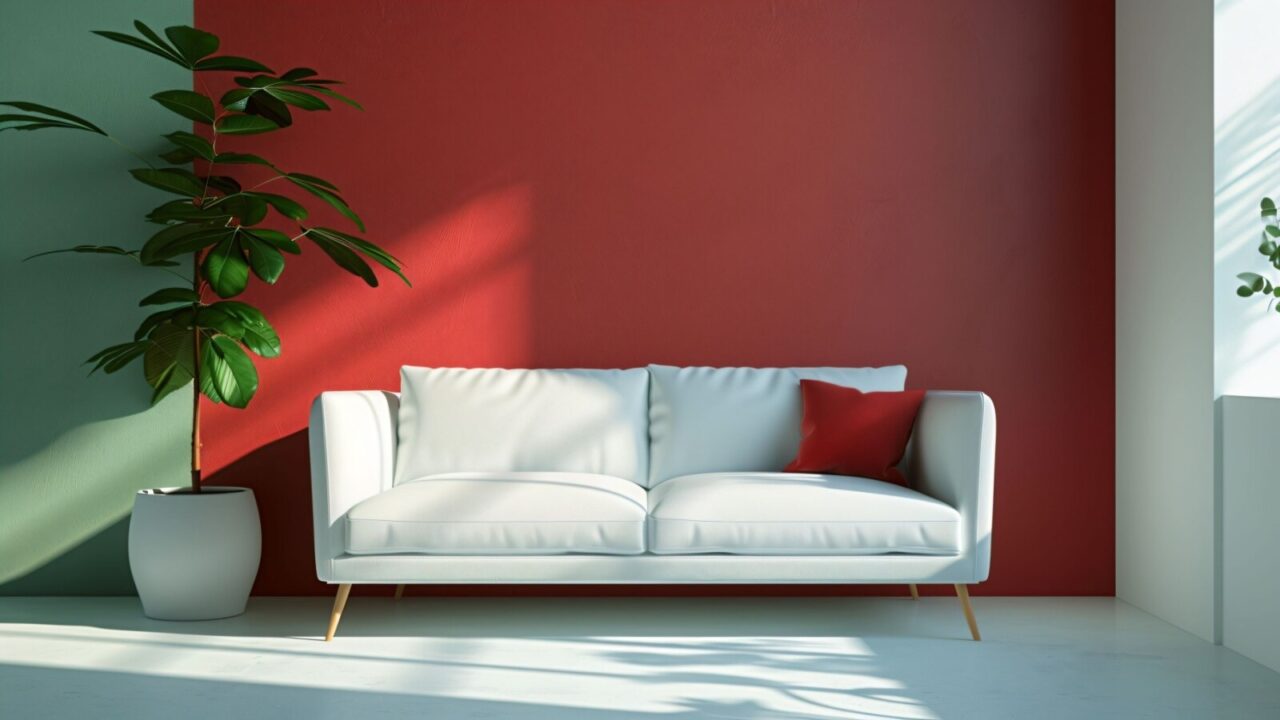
[704, 419]
[477, 420]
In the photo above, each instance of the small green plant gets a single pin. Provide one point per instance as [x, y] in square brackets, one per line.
[198, 335]
[1255, 284]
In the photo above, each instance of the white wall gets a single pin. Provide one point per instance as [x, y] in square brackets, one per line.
[1250, 531]
[1164, 310]
[1246, 120]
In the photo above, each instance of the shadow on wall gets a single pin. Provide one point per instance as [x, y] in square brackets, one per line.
[1246, 169]
[72, 451]
[707, 186]
[643, 196]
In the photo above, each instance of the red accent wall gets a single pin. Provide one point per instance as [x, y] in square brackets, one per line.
[741, 182]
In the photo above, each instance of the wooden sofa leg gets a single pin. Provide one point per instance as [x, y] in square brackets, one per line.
[915, 593]
[399, 591]
[339, 603]
[963, 593]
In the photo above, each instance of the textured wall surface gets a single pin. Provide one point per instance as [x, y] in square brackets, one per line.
[1164, 337]
[72, 451]
[760, 183]
[757, 183]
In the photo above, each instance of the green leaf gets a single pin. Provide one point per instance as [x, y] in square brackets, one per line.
[1244, 291]
[225, 183]
[298, 73]
[283, 205]
[266, 261]
[42, 126]
[275, 239]
[180, 316]
[226, 268]
[249, 209]
[345, 257]
[304, 182]
[174, 180]
[231, 371]
[377, 254]
[206, 380]
[297, 99]
[108, 355]
[155, 38]
[76, 120]
[184, 211]
[1268, 207]
[263, 105]
[188, 104]
[177, 156]
[91, 249]
[313, 180]
[231, 63]
[236, 99]
[192, 44]
[166, 296]
[213, 317]
[257, 81]
[258, 335]
[181, 239]
[244, 125]
[36, 122]
[235, 158]
[329, 93]
[169, 362]
[195, 144]
[119, 361]
[132, 41]
[106, 352]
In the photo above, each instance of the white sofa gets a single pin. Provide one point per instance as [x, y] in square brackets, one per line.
[657, 475]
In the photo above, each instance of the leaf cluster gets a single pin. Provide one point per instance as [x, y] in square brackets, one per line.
[220, 225]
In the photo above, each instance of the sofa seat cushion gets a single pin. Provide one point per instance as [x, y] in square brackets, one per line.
[767, 513]
[511, 513]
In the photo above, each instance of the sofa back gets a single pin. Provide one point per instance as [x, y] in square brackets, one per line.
[495, 420]
[643, 424]
[704, 419]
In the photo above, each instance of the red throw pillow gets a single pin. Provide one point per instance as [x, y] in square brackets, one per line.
[848, 432]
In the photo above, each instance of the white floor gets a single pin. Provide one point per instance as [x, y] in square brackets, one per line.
[658, 658]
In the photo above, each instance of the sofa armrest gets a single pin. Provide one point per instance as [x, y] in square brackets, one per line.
[353, 449]
[951, 457]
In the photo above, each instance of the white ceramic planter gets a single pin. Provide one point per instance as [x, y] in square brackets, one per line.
[194, 555]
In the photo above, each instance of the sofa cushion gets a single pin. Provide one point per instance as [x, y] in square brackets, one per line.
[704, 419]
[515, 513]
[493, 420]
[848, 432]
[797, 514]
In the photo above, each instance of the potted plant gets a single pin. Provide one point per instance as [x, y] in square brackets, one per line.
[1269, 248]
[194, 550]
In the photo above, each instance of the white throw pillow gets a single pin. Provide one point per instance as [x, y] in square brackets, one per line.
[495, 420]
[704, 419]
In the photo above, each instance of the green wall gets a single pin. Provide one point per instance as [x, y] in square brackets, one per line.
[73, 450]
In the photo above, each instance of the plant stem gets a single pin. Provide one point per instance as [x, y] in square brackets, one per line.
[195, 327]
[195, 385]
